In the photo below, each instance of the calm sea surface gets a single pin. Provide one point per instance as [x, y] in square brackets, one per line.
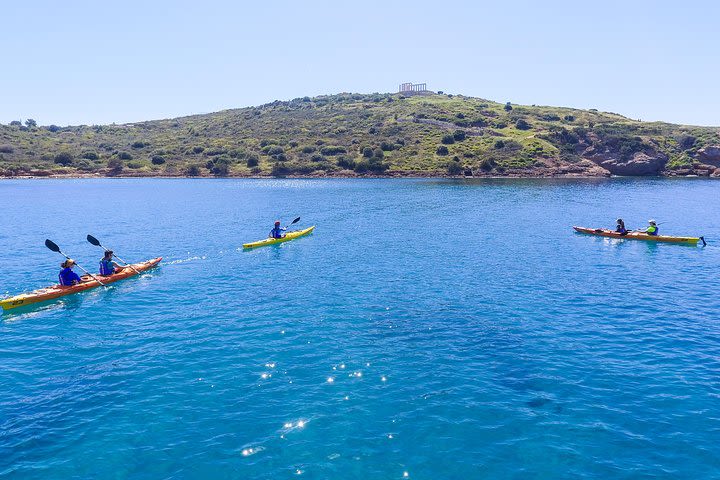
[429, 329]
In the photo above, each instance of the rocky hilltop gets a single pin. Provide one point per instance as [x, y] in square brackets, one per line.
[367, 134]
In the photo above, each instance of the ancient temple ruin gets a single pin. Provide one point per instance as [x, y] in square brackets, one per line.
[412, 88]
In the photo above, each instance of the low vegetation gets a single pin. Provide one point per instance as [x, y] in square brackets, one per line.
[348, 134]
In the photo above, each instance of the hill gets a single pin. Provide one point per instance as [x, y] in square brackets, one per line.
[367, 134]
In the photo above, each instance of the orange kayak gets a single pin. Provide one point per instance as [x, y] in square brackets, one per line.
[56, 291]
[604, 232]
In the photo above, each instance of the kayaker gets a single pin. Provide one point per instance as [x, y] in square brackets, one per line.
[276, 232]
[620, 228]
[652, 229]
[67, 276]
[107, 266]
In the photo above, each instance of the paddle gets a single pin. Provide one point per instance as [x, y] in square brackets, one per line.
[52, 246]
[293, 222]
[97, 243]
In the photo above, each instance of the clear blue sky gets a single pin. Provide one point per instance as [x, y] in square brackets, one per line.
[85, 62]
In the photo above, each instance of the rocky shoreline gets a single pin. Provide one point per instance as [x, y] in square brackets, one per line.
[696, 172]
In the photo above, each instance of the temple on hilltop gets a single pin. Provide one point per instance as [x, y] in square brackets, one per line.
[414, 89]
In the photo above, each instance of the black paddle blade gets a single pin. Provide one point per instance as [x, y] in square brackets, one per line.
[52, 246]
[93, 240]
[295, 221]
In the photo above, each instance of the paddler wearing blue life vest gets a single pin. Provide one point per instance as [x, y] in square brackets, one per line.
[107, 266]
[276, 232]
[67, 277]
[620, 228]
[652, 229]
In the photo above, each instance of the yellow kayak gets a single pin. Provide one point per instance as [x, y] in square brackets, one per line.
[272, 241]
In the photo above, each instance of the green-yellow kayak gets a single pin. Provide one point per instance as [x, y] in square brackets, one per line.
[272, 241]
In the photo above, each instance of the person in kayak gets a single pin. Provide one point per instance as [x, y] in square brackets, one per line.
[67, 277]
[107, 266]
[652, 229]
[620, 228]
[276, 232]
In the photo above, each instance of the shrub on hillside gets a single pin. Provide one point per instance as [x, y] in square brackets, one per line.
[521, 124]
[280, 170]
[198, 149]
[507, 107]
[220, 166]
[345, 162]
[332, 150]
[387, 146]
[252, 161]
[30, 123]
[376, 165]
[84, 165]
[157, 159]
[307, 149]
[89, 155]
[367, 152]
[569, 118]
[448, 139]
[442, 150]
[317, 158]
[115, 165]
[454, 167]
[193, 171]
[499, 144]
[459, 135]
[361, 166]
[125, 156]
[139, 144]
[487, 164]
[63, 159]
[6, 148]
[213, 152]
[53, 128]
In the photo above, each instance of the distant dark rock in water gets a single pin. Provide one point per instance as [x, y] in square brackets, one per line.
[538, 402]
[709, 155]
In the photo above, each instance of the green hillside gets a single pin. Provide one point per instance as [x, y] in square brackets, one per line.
[358, 134]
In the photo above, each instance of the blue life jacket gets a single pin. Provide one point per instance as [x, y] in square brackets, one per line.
[620, 229]
[67, 277]
[276, 232]
[106, 267]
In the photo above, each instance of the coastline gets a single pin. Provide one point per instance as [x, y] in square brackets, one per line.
[393, 175]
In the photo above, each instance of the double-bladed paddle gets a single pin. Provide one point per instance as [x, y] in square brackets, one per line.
[293, 222]
[53, 246]
[97, 243]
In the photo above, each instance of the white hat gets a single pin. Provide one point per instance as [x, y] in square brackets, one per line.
[651, 221]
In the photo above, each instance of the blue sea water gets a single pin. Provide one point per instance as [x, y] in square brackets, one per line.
[428, 329]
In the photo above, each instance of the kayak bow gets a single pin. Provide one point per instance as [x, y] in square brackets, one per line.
[604, 232]
[56, 291]
[273, 241]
